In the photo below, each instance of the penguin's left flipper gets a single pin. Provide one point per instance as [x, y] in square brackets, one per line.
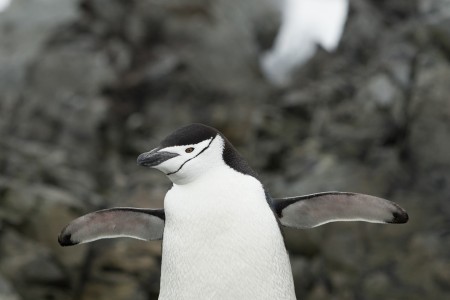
[317, 209]
[142, 224]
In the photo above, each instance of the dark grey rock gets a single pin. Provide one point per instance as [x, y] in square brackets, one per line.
[429, 105]
[22, 41]
[7, 292]
[30, 266]
[86, 86]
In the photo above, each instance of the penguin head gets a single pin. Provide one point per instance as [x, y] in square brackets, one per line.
[187, 153]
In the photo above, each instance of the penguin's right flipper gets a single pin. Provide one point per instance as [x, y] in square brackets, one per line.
[317, 209]
[142, 224]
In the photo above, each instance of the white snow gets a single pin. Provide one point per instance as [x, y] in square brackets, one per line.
[305, 24]
[4, 4]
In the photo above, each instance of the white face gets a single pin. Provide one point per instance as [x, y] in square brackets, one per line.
[193, 160]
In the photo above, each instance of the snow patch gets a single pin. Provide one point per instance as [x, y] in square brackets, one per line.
[4, 4]
[305, 24]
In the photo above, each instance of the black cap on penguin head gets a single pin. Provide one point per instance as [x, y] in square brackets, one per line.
[196, 132]
[189, 134]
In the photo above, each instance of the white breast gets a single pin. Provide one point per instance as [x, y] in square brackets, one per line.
[222, 241]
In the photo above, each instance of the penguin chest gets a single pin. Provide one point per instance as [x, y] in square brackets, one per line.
[222, 241]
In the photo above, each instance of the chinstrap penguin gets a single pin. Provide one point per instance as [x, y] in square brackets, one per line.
[221, 230]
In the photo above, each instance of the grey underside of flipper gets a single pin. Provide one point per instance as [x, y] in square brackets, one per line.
[297, 212]
[317, 209]
[143, 224]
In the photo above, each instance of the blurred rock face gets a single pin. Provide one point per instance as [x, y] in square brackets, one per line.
[85, 86]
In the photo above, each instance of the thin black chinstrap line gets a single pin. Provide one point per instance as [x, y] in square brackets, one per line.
[192, 157]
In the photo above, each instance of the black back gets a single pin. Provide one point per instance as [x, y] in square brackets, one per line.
[195, 133]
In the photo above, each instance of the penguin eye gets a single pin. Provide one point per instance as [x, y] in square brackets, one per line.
[189, 150]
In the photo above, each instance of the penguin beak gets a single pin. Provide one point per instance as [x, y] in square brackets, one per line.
[154, 157]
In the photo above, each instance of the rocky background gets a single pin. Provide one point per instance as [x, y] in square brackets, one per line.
[86, 86]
